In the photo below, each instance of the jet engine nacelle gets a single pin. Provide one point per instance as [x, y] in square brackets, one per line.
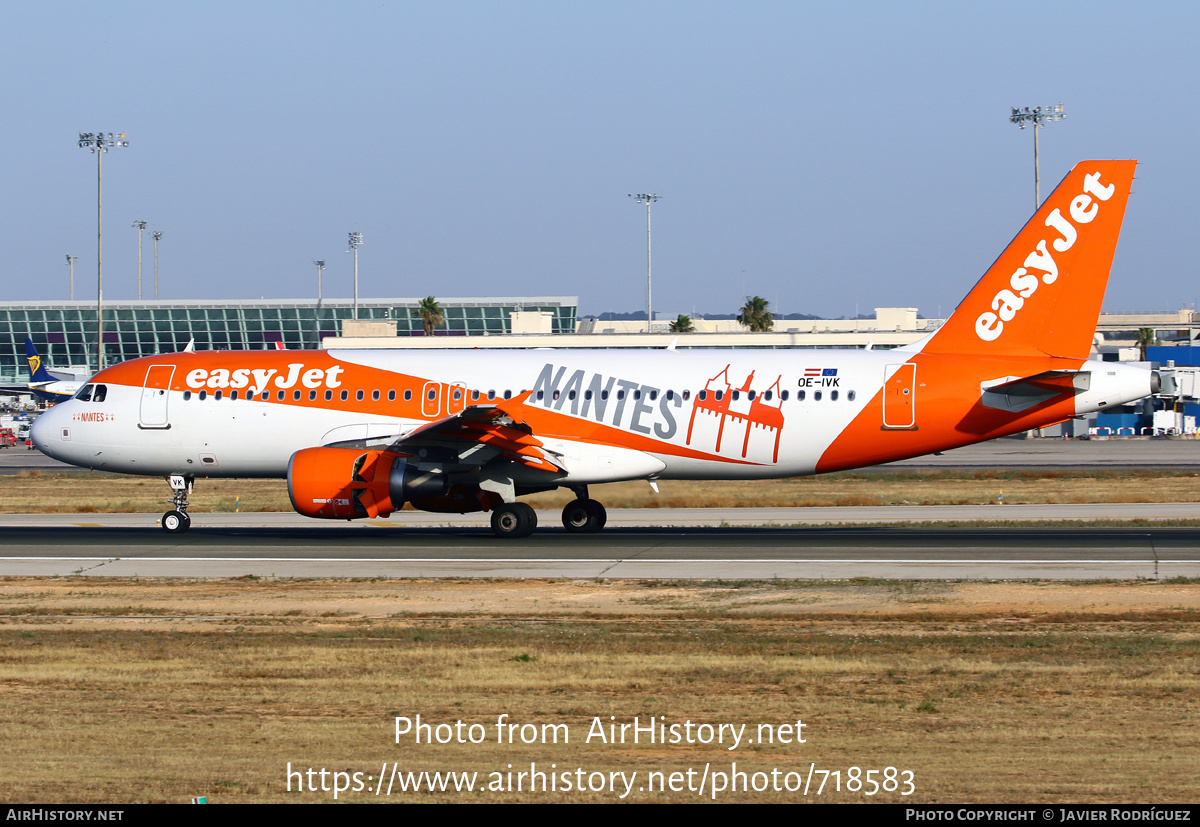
[346, 483]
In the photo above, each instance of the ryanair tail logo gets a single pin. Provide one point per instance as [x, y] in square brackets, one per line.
[35, 363]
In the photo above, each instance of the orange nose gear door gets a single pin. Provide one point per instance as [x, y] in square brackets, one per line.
[899, 402]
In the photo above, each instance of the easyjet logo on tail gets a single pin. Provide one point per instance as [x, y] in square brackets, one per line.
[1040, 267]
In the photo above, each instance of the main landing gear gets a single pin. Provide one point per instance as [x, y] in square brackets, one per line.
[177, 521]
[512, 521]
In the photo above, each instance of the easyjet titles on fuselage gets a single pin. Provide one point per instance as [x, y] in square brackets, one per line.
[220, 378]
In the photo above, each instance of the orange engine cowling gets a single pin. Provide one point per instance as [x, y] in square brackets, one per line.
[345, 483]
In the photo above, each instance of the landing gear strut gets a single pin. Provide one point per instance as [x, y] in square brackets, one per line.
[177, 521]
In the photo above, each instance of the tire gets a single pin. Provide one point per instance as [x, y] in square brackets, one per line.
[176, 522]
[583, 516]
[601, 513]
[512, 521]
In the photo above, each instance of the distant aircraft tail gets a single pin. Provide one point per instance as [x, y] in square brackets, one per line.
[37, 371]
[1042, 296]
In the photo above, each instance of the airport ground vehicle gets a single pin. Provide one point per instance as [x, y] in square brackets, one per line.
[360, 433]
[8, 438]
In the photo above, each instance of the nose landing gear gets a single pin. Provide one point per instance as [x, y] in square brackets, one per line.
[177, 521]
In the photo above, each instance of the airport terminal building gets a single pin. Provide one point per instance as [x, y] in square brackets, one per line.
[65, 332]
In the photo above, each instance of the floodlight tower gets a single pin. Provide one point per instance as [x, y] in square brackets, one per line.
[356, 240]
[71, 264]
[157, 238]
[320, 266]
[139, 225]
[647, 199]
[1038, 117]
[99, 143]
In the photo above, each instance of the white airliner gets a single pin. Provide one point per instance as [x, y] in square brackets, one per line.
[360, 433]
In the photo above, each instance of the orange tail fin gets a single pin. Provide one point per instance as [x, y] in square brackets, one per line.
[1043, 294]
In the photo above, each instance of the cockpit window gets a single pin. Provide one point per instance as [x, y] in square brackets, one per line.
[100, 394]
[85, 393]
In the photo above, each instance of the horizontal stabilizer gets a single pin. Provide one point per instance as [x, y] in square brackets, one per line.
[1021, 393]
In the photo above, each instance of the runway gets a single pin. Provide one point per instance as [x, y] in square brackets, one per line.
[286, 545]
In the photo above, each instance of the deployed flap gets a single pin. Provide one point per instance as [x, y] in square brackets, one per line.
[1019, 394]
[480, 432]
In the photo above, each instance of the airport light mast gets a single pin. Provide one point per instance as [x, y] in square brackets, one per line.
[71, 264]
[647, 199]
[99, 143]
[157, 238]
[1038, 117]
[139, 225]
[356, 240]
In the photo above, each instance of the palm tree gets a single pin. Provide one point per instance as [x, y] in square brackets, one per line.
[683, 324]
[754, 315]
[431, 314]
[1146, 337]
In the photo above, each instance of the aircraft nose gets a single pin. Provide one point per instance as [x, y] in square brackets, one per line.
[44, 431]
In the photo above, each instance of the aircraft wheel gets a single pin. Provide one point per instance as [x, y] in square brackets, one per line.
[513, 521]
[583, 516]
[601, 513]
[176, 522]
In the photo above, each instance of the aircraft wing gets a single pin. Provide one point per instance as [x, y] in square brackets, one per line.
[478, 434]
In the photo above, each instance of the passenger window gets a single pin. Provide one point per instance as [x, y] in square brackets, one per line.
[767, 395]
[186, 395]
[508, 394]
[391, 396]
[474, 396]
[851, 395]
[233, 394]
[816, 396]
[296, 396]
[800, 396]
[407, 396]
[358, 395]
[312, 396]
[736, 395]
[587, 394]
[345, 395]
[280, 396]
[686, 395]
[653, 395]
[374, 396]
[203, 395]
[783, 395]
[604, 394]
[571, 395]
[702, 395]
[328, 395]
[750, 396]
[833, 395]
[217, 395]
[719, 395]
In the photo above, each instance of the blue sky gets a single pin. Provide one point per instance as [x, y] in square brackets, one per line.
[828, 157]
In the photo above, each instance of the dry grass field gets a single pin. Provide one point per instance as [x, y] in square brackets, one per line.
[124, 691]
[35, 492]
